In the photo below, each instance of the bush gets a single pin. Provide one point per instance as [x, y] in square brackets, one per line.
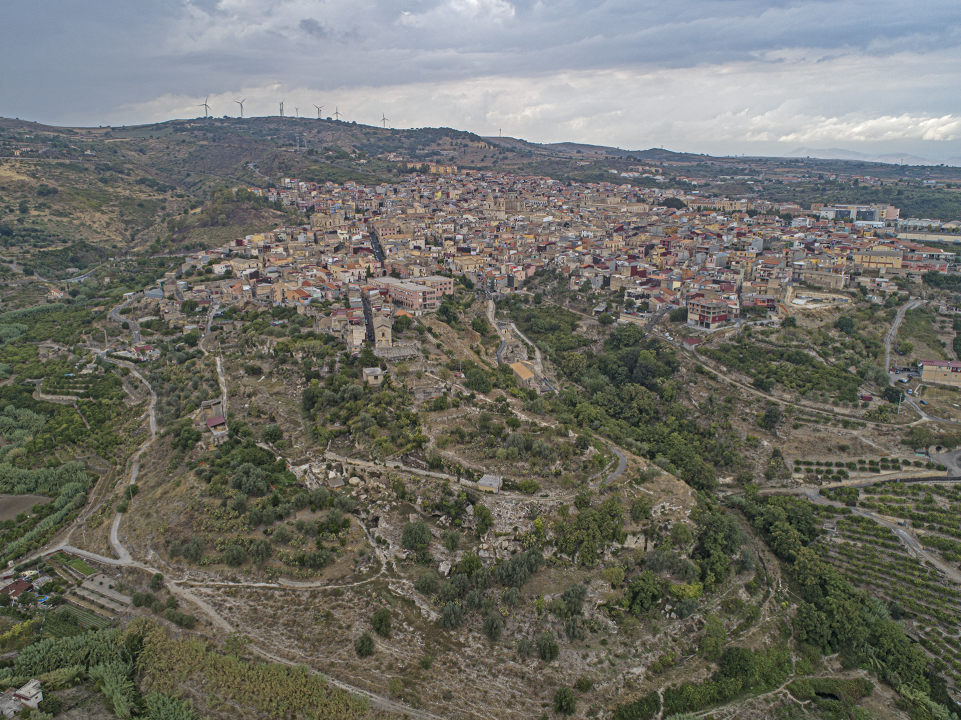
[416, 536]
[451, 616]
[547, 647]
[156, 582]
[364, 647]
[583, 684]
[426, 583]
[235, 556]
[271, 433]
[525, 648]
[142, 599]
[564, 701]
[181, 619]
[451, 540]
[380, 621]
[643, 708]
[493, 627]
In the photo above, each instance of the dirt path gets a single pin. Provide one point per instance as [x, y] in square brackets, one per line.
[892, 333]
[911, 543]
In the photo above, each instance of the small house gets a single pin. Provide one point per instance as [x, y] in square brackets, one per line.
[490, 483]
[373, 376]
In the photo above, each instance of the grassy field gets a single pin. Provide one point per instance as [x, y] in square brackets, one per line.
[80, 566]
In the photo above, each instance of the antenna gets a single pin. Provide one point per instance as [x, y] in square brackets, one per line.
[281, 108]
[206, 107]
[319, 108]
[383, 119]
[241, 103]
[336, 113]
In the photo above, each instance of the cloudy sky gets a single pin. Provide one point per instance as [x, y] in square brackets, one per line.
[713, 76]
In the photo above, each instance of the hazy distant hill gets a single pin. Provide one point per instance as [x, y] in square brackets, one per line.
[888, 159]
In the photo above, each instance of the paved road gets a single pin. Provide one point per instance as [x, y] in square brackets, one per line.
[114, 315]
[621, 465]
[81, 278]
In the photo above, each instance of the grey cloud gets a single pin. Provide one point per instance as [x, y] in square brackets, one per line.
[85, 62]
[312, 27]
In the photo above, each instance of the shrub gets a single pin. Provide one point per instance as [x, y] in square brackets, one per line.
[416, 536]
[380, 621]
[426, 583]
[181, 619]
[525, 648]
[643, 708]
[451, 616]
[473, 600]
[235, 556]
[156, 582]
[451, 540]
[493, 627]
[583, 684]
[547, 647]
[564, 701]
[364, 647]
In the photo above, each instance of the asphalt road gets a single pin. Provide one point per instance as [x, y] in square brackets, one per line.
[114, 315]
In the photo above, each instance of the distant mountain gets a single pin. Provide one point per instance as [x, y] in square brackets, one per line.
[888, 158]
[572, 148]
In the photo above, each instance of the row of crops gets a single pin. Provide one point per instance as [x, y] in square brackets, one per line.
[871, 556]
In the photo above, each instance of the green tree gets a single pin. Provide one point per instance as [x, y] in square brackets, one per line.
[564, 701]
[476, 379]
[260, 551]
[547, 647]
[681, 535]
[271, 433]
[367, 357]
[451, 540]
[714, 637]
[380, 621]
[771, 417]
[644, 592]
[845, 325]
[641, 509]
[484, 519]
[493, 626]
[235, 555]
[416, 536]
[364, 647]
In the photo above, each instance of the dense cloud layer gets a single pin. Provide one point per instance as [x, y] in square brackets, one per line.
[719, 76]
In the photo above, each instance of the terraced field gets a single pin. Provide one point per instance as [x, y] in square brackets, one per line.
[872, 557]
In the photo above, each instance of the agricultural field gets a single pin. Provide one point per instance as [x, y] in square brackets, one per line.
[872, 557]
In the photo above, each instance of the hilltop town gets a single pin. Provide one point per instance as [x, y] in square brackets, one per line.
[435, 440]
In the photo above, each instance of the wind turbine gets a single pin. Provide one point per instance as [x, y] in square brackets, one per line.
[336, 113]
[241, 103]
[296, 111]
[383, 119]
[206, 107]
[319, 108]
[281, 108]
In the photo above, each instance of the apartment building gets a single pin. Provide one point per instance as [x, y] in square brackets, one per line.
[708, 314]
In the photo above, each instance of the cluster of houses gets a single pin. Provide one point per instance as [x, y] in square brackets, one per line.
[365, 254]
